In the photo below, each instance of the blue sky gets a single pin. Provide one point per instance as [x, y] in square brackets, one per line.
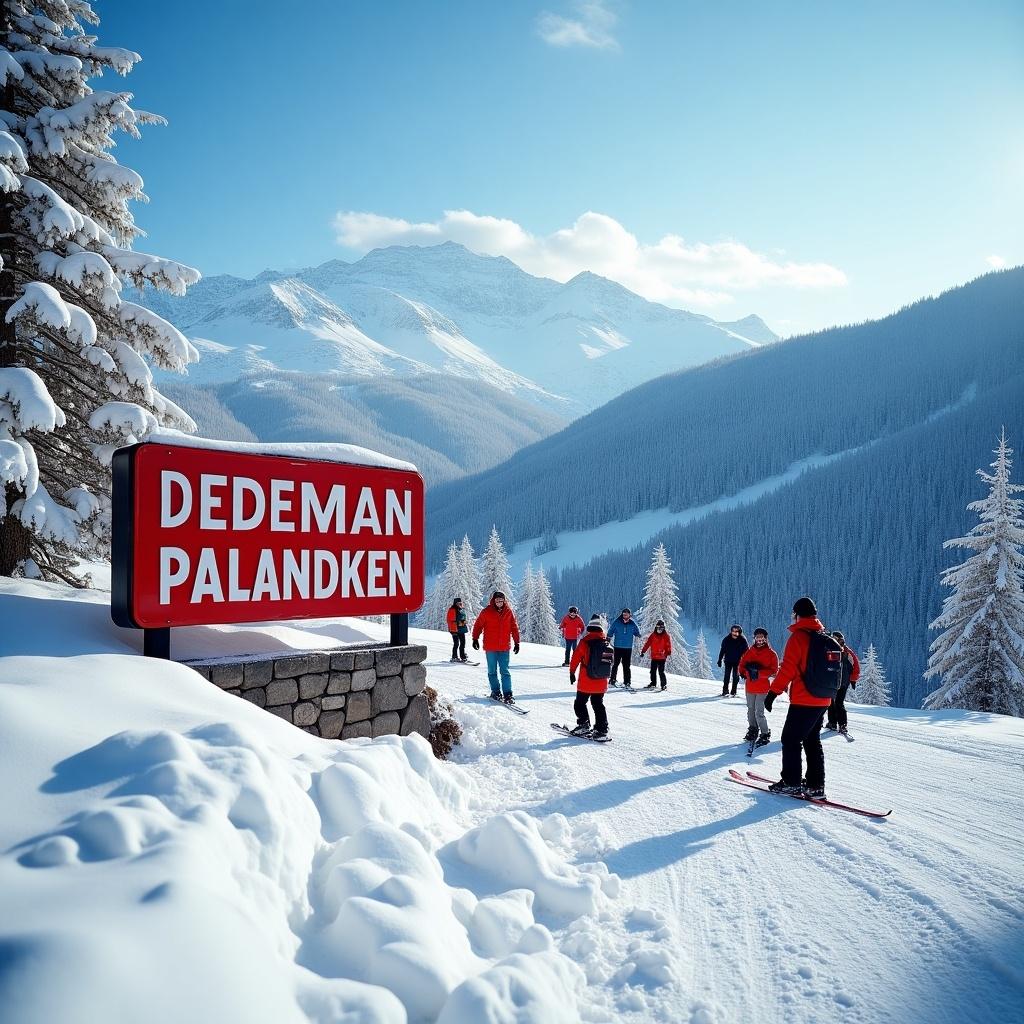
[815, 162]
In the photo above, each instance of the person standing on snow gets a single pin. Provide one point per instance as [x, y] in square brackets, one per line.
[621, 634]
[591, 664]
[850, 667]
[659, 643]
[734, 645]
[758, 664]
[458, 626]
[498, 624]
[572, 628]
[810, 668]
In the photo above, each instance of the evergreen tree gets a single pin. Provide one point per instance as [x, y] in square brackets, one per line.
[494, 566]
[661, 601]
[471, 592]
[979, 654]
[543, 627]
[527, 601]
[872, 687]
[448, 586]
[701, 664]
[75, 382]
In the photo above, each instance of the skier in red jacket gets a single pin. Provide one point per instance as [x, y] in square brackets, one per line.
[758, 664]
[591, 688]
[498, 624]
[836, 718]
[802, 731]
[572, 628]
[659, 643]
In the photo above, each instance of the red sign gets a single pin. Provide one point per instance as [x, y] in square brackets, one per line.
[205, 536]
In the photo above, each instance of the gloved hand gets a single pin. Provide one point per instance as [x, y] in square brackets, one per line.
[572, 678]
[854, 685]
[515, 650]
[719, 662]
[770, 700]
[476, 644]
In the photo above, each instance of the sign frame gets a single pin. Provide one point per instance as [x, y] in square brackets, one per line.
[123, 591]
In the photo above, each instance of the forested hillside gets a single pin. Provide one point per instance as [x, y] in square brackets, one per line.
[686, 438]
[916, 401]
[863, 535]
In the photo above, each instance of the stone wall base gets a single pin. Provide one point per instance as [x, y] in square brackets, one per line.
[371, 690]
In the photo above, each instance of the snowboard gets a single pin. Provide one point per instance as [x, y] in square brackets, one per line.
[566, 731]
[759, 782]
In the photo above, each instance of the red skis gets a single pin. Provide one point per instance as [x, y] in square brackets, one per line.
[736, 777]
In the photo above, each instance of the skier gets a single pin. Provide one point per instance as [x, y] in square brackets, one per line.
[850, 666]
[458, 626]
[660, 645]
[734, 645]
[620, 635]
[590, 663]
[498, 624]
[810, 653]
[572, 628]
[758, 664]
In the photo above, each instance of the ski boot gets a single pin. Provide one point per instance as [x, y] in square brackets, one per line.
[508, 698]
[829, 728]
[583, 729]
[652, 686]
[843, 730]
[785, 789]
[611, 682]
[763, 738]
[497, 697]
[599, 737]
[814, 792]
[751, 734]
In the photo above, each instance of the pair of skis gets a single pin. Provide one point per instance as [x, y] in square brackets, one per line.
[566, 731]
[761, 783]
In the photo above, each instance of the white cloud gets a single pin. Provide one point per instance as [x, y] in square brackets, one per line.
[996, 262]
[593, 27]
[670, 270]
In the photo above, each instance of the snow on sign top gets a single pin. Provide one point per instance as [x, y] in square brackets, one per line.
[220, 533]
[350, 454]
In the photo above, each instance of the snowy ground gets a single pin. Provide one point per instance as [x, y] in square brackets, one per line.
[168, 852]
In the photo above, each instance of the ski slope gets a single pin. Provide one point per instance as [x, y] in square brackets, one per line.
[169, 852]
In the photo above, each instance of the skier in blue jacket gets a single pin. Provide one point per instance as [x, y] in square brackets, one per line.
[621, 634]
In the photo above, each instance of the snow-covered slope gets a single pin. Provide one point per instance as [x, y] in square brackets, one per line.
[170, 853]
[402, 310]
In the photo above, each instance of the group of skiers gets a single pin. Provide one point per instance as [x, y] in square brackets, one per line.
[816, 667]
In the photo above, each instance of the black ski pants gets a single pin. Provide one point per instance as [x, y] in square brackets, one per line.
[658, 668]
[596, 700]
[570, 650]
[459, 646]
[734, 671]
[622, 656]
[802, 735]
[837, 709]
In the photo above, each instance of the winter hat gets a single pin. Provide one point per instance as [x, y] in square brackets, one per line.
[626, 611]
[595, 622]
[573, 608]
[804, 608]
[838, 636]
[660, 622]
[761, 631]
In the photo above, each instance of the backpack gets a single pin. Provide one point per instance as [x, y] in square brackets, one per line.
[599, 658]
[824, 672]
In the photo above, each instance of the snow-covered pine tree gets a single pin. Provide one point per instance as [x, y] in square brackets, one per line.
[494, 566]
[74, 380]
[543, 627]
[472, 590]
[979, 654]
[526, 603]
[872, 687]
[661, 601]
[701, 661]
[447, 587]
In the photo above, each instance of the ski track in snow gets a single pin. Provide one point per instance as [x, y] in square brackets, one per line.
[775, 910]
